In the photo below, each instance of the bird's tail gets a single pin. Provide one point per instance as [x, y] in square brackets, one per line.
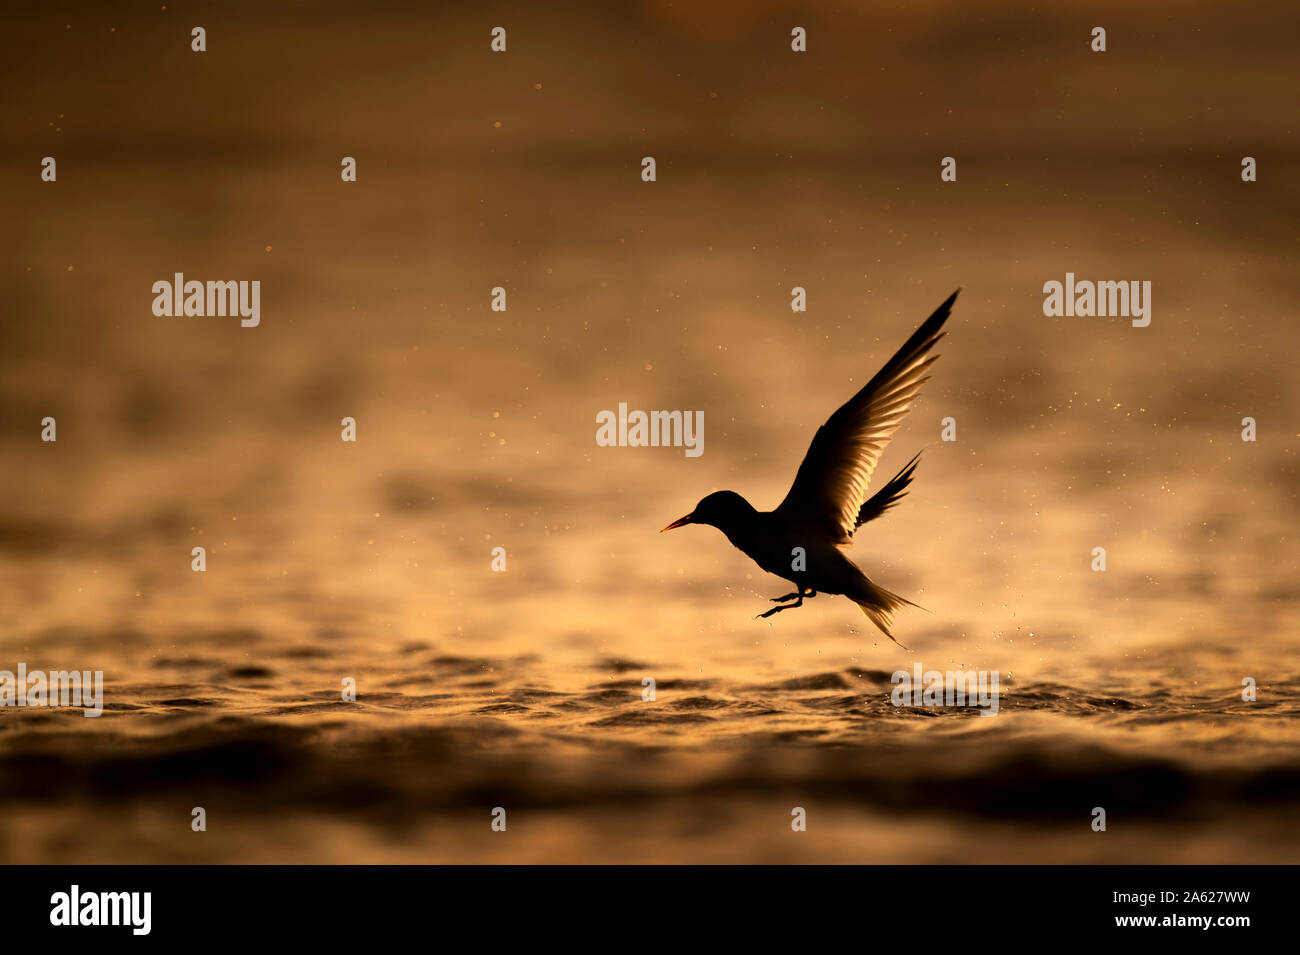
[880, 605]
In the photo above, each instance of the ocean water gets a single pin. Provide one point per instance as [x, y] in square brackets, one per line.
[522, 689]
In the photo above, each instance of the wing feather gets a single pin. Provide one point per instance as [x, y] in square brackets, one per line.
[832, 482]
[889, 495]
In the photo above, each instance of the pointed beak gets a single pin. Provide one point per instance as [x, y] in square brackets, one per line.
[688, 519]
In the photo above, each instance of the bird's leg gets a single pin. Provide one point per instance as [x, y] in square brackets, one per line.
[797, 595]
[798, 602]
[768, 613]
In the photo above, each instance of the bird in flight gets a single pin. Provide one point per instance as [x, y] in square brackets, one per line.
[801, 540]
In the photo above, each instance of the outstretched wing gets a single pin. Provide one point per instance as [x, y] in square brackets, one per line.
[889, 495]
[831, 485]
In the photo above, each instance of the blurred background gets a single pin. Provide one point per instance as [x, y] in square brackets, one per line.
[476, 429]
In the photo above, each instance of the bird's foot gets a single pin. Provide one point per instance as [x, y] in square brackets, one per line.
[797, 603]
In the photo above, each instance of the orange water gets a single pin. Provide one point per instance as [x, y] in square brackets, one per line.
[522, 689]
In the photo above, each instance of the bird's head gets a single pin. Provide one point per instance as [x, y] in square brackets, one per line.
[721, 509]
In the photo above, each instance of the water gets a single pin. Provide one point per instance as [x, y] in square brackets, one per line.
[477, 689]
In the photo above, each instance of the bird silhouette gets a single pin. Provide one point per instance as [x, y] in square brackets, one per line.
[801, 540]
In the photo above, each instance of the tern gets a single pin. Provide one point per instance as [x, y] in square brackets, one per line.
[802, 540]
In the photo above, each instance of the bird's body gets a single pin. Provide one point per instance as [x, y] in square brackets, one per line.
[769, 538]
[802, 539]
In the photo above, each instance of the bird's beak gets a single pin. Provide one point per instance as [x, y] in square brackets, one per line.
[688, 519]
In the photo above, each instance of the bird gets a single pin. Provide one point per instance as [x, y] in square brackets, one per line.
[803, 539]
